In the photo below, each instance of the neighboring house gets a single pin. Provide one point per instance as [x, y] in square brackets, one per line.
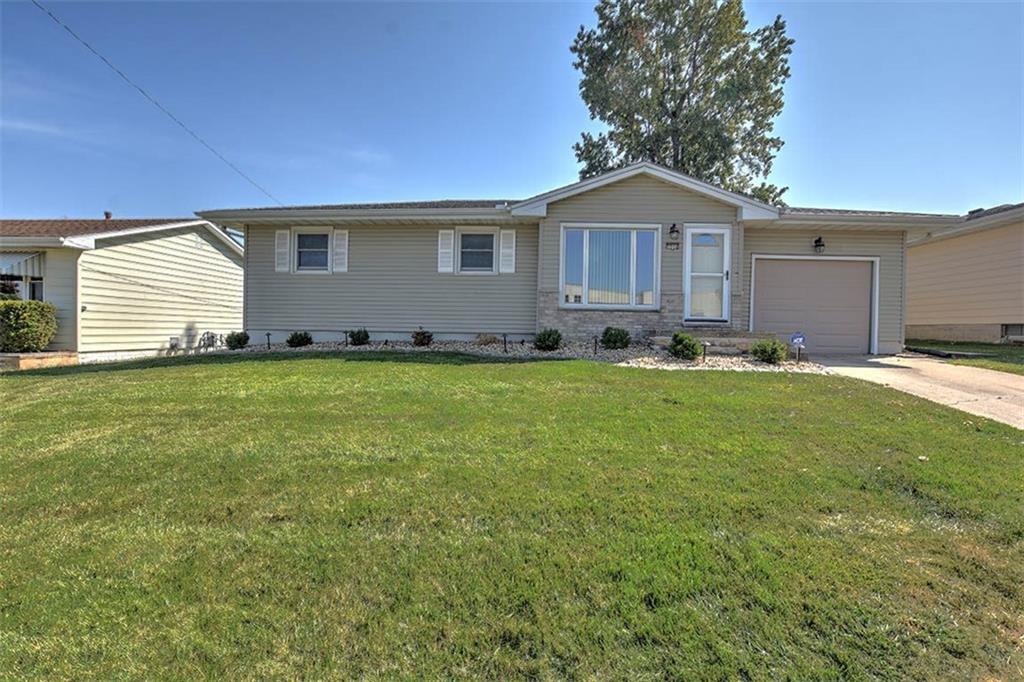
[643, 247]
[966, 282]
[127, 287]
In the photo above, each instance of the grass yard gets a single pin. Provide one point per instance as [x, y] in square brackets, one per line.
[1004, 357]
[305, 515]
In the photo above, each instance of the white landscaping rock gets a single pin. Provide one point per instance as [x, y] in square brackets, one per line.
[638, 356]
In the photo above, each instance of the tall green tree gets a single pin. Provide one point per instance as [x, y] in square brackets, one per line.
[683, 83]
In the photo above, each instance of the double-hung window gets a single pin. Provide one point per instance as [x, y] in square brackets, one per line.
[312, 251]
[476, 252]
[610, 266]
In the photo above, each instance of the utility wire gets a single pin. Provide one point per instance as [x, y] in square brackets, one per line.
[155, 103]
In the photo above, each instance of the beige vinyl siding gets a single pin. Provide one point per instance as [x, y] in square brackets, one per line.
[59, 288]
[140, 290]
[888, 246]
[392, 285]
[976, 278]
[639, 199]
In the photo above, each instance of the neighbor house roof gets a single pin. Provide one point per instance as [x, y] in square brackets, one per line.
[73, 227]
[981, 213]
[975, 221]
[82, 233]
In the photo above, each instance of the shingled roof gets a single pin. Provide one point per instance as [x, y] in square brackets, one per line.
[995, 210]
[74, 227]
[434, 204]
[791, 210]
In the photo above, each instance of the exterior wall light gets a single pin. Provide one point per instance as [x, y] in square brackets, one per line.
[673, 232]
[819, 245]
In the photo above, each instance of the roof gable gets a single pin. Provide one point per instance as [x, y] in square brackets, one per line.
[83, 234]
[749, 209]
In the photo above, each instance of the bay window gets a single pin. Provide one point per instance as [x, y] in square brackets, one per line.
[610, 266]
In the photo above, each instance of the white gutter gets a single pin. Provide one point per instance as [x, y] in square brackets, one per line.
[44, 243]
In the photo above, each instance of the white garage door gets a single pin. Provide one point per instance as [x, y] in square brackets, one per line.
[828, 300]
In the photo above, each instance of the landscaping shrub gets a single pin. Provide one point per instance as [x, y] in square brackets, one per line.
[299, 339]
[684, 347]
[8, 291]
[548, 339]
[26, 326]
[614, 338]
[486, 339]
[771, 351]
[359, 337]
[236, 340]
[421, 337]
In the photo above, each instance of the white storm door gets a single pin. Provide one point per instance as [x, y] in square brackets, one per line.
[706, 275]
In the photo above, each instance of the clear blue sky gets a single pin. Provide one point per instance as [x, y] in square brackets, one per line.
[912, 106]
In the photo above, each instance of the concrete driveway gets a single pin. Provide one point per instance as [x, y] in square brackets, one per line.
[984, 392]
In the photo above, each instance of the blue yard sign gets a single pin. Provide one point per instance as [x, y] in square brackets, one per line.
[797, 339]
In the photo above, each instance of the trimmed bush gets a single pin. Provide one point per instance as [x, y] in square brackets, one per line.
[299, 339]
[8, 291]
[684, 347]
[359, 337]
[614, 338]
[548, 339]
[421, 337]
[236, 340]
[26, 326]
[771, 351]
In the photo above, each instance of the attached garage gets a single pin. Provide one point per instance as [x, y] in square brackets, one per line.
[831, 300]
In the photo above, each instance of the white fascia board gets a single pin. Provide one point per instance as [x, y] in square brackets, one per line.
[206, 224]
[44, 243]
[749, 209]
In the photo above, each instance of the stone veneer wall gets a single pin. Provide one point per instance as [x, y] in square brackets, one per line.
[579, 324]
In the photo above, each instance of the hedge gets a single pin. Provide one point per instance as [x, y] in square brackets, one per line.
[26, 326]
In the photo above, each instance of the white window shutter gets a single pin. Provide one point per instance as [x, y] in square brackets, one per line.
[282, 258]
[446, 250]
[507, 262]
[341, 250]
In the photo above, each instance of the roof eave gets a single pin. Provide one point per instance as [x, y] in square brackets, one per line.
[44, 242]
[266, 216]
[893, 222]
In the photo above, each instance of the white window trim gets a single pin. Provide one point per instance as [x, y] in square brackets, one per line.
[310, 229]
[633, 227]
[715, 228]
[874, 260]
[495, 253]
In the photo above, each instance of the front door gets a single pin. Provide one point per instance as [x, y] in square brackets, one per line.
[706, 275]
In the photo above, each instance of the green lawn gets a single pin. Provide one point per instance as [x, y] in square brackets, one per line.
[1004, 357]
[387, 516]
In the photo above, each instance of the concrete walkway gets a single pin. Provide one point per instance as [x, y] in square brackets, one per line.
[984, 392]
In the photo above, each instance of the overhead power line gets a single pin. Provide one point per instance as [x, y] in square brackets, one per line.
[155, 103]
